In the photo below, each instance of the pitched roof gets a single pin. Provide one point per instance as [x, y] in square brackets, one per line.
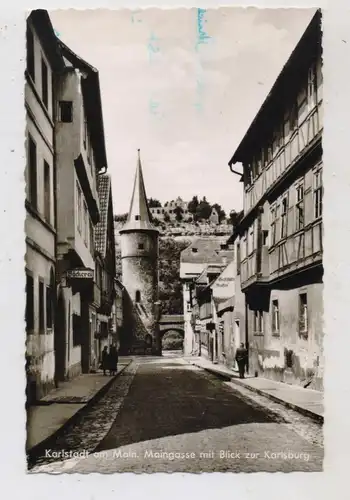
[308, 45]
[205, 251]
[139, 214]
[104, 195]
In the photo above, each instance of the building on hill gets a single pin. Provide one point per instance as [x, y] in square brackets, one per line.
[281, 232]
[171, 209]
[139, 255]
[214, 216]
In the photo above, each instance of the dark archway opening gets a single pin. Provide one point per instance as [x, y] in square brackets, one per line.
[172, 340]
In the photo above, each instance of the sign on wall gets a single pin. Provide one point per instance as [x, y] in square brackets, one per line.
[84, 273]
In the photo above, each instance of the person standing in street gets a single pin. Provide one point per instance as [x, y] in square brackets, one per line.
[242, 359]
[104, 360]
[113, 359]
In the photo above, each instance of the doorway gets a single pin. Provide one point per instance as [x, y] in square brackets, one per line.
[60, 341]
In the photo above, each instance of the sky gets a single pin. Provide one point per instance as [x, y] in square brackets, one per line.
[183, 85]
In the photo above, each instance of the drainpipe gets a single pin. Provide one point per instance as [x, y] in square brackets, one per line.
[235, 171]
[246, 329]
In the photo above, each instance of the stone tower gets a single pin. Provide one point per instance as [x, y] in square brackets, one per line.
[139, 254]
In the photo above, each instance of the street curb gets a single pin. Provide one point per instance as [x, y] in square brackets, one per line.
[235, 380]
[39, 448]
[292, 406]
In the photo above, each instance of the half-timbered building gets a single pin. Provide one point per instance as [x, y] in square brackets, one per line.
[281, 233]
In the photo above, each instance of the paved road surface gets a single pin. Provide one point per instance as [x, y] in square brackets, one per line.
[164, 415]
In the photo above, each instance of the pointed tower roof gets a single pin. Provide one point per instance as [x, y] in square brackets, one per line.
[139, 214]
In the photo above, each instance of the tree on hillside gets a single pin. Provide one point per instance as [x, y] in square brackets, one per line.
[179, 213]
[170, 289]
[235, 217]
[220, 211]
[120, 217]
[203, 210]
[193, 204]
[153, 203]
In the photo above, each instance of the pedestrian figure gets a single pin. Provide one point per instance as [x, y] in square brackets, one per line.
[104, 360]
[113, 359]
[241, 358]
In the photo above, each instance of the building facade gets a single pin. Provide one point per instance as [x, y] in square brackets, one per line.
[81, 158]
[281, 233]
[105, 269]
[44, 64]
[194, 261]
[139, 255]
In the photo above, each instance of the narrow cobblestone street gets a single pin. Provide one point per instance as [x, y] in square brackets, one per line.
[164, 415]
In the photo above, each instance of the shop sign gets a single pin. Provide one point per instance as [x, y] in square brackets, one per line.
[85, 274]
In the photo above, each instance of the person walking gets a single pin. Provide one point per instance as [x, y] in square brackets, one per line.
[104, 360]
[113, 359]
[242, 359]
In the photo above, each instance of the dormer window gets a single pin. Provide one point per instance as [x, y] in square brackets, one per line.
[137, 217]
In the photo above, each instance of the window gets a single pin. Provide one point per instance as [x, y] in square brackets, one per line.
[47, 192]
[141, 246]
[238, 259]
[32, 174]
[258, 322]
[44, 83]
[30, 54]
[79, 207]
[300, 207]
[49, 303]
[275, 318]
[41, 307]
[284, 209]
[89, 152]
[85, 132]
[138, 296]
[189, 307]
[91, 234]
[318, 193]
[29, 304]
[137, 217]
[86, 226]
[250, 239]
[312, 87]
[66, 111]
[293, 118]
[273, 213]
[303, 319]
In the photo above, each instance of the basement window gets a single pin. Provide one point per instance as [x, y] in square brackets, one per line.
[66, 111]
